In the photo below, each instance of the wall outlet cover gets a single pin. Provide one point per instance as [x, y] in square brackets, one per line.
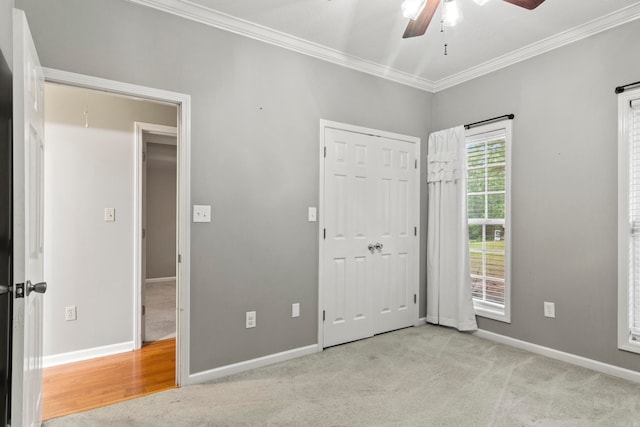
[70, 313]
[250, 319]
[549, 309]
[295, 310]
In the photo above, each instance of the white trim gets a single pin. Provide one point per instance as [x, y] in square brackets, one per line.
[598, 25]
[236, 368]
[138, 166]
[573, 359]
[86, 354]
[183, 274]
[208, 16]
[324, 124]
[160, 281]
[421, 321]
[624, 123]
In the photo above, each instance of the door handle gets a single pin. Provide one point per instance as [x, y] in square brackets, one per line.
[4, 289]
[379, 246]
[371, 248]
[40, 288]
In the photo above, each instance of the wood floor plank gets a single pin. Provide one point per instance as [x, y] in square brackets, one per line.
[90, 384]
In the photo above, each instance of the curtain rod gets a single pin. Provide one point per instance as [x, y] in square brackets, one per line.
[506, 116]
[621, 89]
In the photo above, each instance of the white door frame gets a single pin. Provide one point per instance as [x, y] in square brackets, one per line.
[324, 124]
[139, 252]
[183, 272]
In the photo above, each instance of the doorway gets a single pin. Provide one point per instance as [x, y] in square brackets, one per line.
[92, 223]
[369, 245]
[158, 201]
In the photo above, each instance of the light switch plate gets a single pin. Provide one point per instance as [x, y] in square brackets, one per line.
[313, 215]
[201, 213]
[295, 310]
[110, 214]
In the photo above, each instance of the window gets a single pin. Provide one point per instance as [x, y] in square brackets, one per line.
[629, 221]
[488, 196]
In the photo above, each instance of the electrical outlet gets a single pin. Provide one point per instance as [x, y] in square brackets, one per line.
[295, 310]
[549, 309]
[250, 321]
[70, 313]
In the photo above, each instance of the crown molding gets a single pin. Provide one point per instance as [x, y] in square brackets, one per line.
[606, 22]
[189, 10]
[204, 15]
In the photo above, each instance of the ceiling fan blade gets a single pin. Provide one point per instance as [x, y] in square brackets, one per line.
[527, 4]
[419, 26]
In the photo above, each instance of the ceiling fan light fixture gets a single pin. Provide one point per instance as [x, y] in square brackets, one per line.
[412, 8]
[481, 2]
[451, 13]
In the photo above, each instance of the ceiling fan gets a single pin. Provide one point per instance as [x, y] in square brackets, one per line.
[418, 24]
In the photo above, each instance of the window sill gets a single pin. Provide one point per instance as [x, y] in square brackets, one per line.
[491, 313]
[631, 346]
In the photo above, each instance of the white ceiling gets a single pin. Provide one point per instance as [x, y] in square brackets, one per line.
[367, 34]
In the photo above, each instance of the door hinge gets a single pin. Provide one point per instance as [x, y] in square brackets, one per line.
[415, 298]
[325, 152]
[415, 231]
[144, 310]
[179, 258]
[19, 290]
[144, 233]
[416, 163]
[144, 156]
[324, 315]
[324, 234]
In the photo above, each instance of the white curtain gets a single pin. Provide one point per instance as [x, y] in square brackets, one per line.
[449, 300]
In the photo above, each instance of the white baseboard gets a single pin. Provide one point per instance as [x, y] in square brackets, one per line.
[235, 368]
[89, 353]
[421, 322]
[161, 281]
[573, 359]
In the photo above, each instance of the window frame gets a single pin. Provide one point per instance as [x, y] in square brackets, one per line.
[625, 121]
[483, 308]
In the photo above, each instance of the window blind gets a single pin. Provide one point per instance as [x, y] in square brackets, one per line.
[486, 208]
[634, 217]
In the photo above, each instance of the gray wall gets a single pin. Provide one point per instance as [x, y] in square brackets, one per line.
[90, 262]
[255, 127]
[6, 30]
[564, 204]
[161, 210]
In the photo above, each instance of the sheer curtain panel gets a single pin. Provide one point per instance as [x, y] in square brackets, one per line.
[449, 301]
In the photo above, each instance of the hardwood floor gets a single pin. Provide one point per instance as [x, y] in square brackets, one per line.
[90, 384]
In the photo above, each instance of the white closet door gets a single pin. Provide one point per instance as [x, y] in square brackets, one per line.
[395, 234]
[349, 220]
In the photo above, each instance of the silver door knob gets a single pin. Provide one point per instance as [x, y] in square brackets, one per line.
[379, 246]
[4, 289]
[371, 247]
[40, 288]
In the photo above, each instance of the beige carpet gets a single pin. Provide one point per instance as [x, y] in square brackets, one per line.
[424, 376]
[160, 316]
